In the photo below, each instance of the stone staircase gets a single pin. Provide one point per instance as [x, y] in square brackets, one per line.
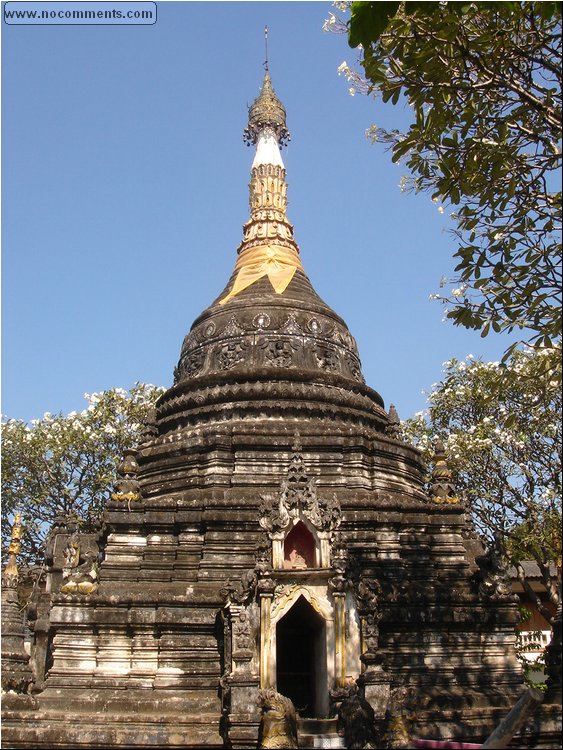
[319, 733]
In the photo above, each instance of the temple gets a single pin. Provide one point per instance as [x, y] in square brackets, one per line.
[273, 534]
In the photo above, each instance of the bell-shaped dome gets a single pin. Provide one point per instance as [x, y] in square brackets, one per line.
[268, 342]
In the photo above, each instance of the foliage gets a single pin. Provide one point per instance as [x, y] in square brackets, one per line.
[483, 85]
[63, 466]
[501, 427]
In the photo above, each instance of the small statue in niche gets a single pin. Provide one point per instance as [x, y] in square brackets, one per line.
[296, 560]
[79, 578]
[71, 554]
[242, 632]
[493, 574]
[299, 548]
[127, 486]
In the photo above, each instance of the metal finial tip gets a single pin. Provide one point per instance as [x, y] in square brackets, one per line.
[266, 45]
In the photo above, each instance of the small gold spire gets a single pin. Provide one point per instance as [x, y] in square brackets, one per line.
[266, 113]
[11, 569]
[442, 487]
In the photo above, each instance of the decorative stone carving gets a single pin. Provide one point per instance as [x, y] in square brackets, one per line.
[242, 632]
[286, 593]
[291, 325]
[399, 719]
[368, 592]
[356, 718]
[193, 364]
[494, 581]
[327, 358]
[354, 366]
[298, 496]
[231, 354]
[240, 592]
[340, 564]
[279, 352]
[278, 725]
[79, 577]
[442, 488]
[127, 487]
[209, 330]
[393, 429]
[16, 672]
[261, 321]
[233, 327]
[263, 556]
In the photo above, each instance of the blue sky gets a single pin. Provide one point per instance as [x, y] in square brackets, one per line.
[125, 187]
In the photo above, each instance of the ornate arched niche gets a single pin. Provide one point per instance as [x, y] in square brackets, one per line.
[300, 548]
[298, 515]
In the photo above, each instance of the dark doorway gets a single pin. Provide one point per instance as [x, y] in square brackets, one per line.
[301, 658]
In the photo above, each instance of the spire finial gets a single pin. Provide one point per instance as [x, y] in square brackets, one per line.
[10, 576]
[266, 112]
[442, 487]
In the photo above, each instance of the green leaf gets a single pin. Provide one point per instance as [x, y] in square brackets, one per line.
[368, 21]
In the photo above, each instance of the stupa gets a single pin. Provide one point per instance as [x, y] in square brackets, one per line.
[273, 530]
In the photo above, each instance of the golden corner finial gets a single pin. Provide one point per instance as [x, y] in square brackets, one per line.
[442, 486]
[10, 576]
[15, 543]
[266, 46]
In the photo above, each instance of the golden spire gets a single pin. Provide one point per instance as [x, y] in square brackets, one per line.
[268, 247]
[266, 113]
[11, 569]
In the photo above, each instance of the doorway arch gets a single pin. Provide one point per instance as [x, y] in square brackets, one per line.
[301, 668]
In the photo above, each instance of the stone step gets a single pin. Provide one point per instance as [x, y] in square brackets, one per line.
[321, 741]
[318, 733]
[316, 726]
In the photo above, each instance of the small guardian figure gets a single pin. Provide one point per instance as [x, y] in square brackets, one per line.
[278, 726]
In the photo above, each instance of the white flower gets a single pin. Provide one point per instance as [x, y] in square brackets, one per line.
[440, 209]
[330, 21]
[352, 91]
[342, 67]
[459, 291]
